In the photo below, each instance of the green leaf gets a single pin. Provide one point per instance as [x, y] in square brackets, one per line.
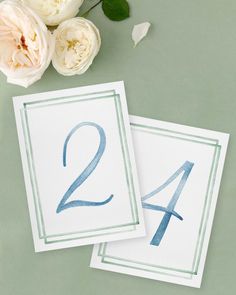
[116, 9]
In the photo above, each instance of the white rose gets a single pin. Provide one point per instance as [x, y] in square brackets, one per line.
[26, 46]
[53, 12]
[77, 43]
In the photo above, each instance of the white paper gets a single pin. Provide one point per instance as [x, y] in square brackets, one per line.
[183, 166]
[79, 166]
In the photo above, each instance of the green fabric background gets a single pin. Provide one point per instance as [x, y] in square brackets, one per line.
[183, 72]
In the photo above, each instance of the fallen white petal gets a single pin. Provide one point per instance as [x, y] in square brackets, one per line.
[139, 32]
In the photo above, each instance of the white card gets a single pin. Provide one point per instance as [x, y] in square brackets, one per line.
[79, 167]
[179, 170]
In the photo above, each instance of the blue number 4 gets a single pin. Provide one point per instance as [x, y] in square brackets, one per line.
[169, 210]
[86, 172]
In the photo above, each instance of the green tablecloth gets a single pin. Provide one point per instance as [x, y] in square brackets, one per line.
[184, 72]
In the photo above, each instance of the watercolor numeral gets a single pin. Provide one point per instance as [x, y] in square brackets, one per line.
[169, 210]
[64, 203]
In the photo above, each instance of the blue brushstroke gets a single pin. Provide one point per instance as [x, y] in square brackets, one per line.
[86, 172]
[169, 210]
[160, 208]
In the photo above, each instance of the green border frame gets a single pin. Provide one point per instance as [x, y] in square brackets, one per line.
[31, 167]
[187, 274]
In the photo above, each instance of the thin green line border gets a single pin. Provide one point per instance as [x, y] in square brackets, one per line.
[205, 213]
[126, 161]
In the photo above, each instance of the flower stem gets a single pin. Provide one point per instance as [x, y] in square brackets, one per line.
[87, 12]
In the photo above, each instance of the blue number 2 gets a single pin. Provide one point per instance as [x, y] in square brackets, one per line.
[169, 210]
[86, 172]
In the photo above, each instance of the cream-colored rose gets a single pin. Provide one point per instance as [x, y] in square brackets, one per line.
[53, 12]
[77, 43]
[26, 46]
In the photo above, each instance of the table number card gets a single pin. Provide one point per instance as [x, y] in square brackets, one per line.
[79, 166]
[179, 170]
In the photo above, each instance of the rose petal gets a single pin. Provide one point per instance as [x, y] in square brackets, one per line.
[139, 32]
